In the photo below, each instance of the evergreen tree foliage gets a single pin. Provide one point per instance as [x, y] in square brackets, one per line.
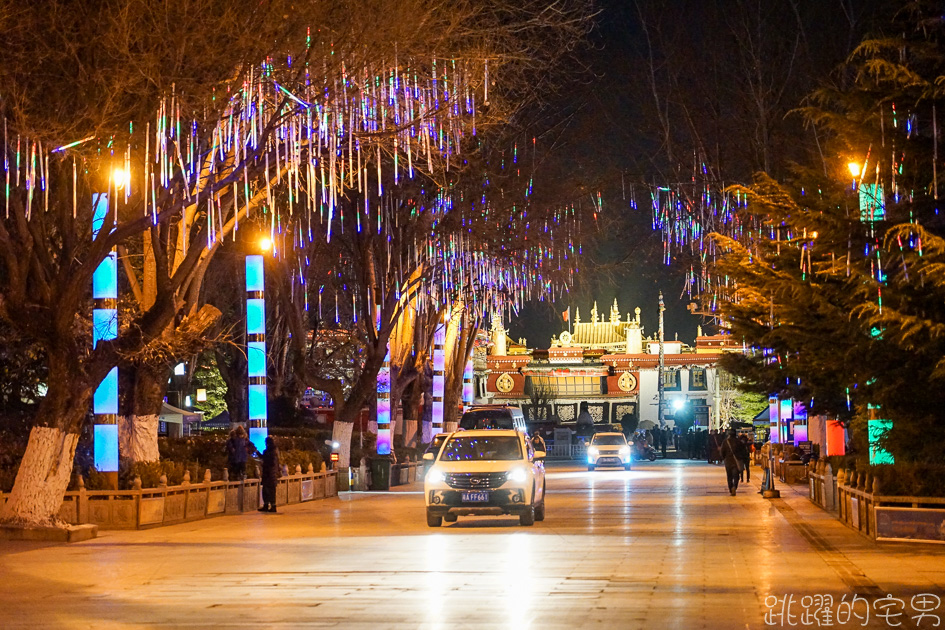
[840, 291]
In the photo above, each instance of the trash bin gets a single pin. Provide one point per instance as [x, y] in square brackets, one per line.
[380, 474]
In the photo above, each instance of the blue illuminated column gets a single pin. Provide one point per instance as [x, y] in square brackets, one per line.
[439, 376]
[383, 407]
[105, 327]
[468, 384]
[256, 349]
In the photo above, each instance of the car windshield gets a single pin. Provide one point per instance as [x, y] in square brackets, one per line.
[486, 419]
[609, 440]
[479, 448]
[437, 442]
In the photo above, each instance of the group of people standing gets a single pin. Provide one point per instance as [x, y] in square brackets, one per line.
[239, 449]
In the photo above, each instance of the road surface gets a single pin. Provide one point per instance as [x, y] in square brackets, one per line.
[664, 546]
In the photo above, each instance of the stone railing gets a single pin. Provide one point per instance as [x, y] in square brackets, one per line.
[861, 506]
[823, 485]
[141, 508]
[400, 475]
[791, 471]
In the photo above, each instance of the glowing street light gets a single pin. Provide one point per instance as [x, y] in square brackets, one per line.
[855, 169]
[265, 243]
[121, 177]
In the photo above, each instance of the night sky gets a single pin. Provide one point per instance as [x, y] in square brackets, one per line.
[604, 133]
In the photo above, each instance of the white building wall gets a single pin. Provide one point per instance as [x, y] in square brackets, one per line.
[649, 391]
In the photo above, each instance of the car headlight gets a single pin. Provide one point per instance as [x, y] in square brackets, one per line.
[592, 450]
[435, 476]
[624, 450]
[518, 475]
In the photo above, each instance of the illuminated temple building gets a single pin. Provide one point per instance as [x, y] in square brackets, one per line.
[610, 364]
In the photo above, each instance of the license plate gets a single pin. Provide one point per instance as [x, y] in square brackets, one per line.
[477, 496]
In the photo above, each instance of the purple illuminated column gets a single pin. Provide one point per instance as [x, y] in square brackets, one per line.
[105, 327]
[439, 383]
[468, 384]
[256, 349]
[383, 407]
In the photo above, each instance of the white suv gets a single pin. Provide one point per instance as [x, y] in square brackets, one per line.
[485, 472]
[608, 449]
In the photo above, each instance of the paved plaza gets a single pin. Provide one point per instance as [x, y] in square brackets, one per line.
[663, 546]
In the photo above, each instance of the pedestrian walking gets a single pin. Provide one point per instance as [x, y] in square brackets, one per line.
[237, 452]
[729, 457]
[712, 447]
[663, 439]
[744, 457]
[271, 469]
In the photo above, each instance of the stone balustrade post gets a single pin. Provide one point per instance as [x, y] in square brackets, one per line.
[162, 482]
[226, 474]
[82, 509]
[298, 469]
[311, 469]
[876, 486]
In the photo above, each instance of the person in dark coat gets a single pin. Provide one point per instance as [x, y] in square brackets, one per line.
[237, 452]
[728, 453]
[271, 469]
[744, 457]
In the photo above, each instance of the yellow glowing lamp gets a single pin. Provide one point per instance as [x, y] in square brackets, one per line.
[265, 243]
[855, 169]
[121, 177]
[201, 395]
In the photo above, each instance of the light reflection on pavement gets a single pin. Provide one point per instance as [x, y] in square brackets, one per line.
[662, 546]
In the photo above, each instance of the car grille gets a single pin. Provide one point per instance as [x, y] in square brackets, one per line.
[475, 481]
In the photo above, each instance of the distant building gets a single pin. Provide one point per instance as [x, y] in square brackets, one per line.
[612, 366]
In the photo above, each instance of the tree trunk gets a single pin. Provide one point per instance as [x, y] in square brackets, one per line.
[341, 433]
[410, 434]
[137, 437]
[42, 479]
[46, 467]
[138, 428]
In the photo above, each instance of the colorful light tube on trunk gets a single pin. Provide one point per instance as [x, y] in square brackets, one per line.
[439, 376]
[383, 407]
[256, 350]
[105, 328]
